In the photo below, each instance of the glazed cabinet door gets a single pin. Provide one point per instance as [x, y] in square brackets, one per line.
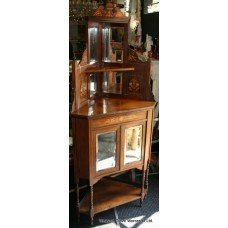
[106, 150]
[133, 143]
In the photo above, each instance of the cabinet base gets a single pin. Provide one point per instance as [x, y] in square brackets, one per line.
[109, 193]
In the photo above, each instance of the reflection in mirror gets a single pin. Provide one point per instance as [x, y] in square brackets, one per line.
[113, 44]
[133, 144]
[105, 151]
[93, 45]
[112, 82]
[92, 84]
[117, 34]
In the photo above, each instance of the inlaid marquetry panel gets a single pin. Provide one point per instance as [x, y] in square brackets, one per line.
[134, 85]
[83, 89]
[119, 119]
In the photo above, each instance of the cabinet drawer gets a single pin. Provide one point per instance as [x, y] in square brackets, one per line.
[119, 119]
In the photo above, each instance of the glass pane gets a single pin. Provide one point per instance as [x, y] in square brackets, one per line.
[105, 151]
[92, 84]
[113, 44]
[93, 44]
[112, 82]
[133, 144]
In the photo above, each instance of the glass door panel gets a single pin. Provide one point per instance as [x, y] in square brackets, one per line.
[133, 144]
[105, 151]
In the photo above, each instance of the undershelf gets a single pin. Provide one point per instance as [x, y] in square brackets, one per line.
[108, 194]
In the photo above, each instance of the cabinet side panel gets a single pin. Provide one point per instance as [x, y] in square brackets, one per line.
[80, 85]
[81, 140]
[138, 83]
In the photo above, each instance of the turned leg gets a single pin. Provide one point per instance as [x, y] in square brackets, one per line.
[132, 175]
[77, 199]
[142, 190]
[91, 205]
[147, 174]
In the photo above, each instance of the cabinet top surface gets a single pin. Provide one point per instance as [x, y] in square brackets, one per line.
[109, 106]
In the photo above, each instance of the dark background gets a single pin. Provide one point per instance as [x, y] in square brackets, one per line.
[150, 22]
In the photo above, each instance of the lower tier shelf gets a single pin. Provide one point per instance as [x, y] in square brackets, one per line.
[109, 193]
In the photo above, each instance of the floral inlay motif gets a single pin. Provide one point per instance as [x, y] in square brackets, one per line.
[134, 85]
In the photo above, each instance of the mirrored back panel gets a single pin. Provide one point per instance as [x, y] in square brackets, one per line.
[112, 44]
[93, 42]
[92, 84]
[112, 82]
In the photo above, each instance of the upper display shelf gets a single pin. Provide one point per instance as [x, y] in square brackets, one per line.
[108, 69]
[105, 106]
[107, 35]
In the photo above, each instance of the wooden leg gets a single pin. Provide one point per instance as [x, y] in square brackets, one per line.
[142, 190]
[91, 205]
[77, 199]
[147, 174]
[132, 174]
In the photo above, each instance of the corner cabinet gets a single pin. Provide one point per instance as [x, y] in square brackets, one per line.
[111, 136]
[112, 115]
[109, 142]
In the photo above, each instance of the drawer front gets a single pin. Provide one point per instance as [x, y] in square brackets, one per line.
[119, 119]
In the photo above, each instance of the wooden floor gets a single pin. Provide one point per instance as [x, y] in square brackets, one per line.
[109, 194]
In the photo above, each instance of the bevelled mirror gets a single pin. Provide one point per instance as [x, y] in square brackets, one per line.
[92, 33]
[112, 82]
[112, 41]
[105, 151]
[92, 84]
[133, 144]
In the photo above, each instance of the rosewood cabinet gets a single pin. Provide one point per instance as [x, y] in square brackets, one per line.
[112, 115]
[111, 136]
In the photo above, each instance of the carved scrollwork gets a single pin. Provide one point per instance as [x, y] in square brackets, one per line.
[118, 13]
[108, 13]
[111, 10]
[84, 58]
[99, 11]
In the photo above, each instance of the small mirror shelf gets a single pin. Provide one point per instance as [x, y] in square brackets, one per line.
[133, 144]
[105, 151]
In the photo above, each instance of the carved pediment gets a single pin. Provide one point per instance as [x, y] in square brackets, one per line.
[110, 10]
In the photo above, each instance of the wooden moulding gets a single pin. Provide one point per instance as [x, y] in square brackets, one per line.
[117, 119]
[109, 194]
[109, 11]
[108, 69]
